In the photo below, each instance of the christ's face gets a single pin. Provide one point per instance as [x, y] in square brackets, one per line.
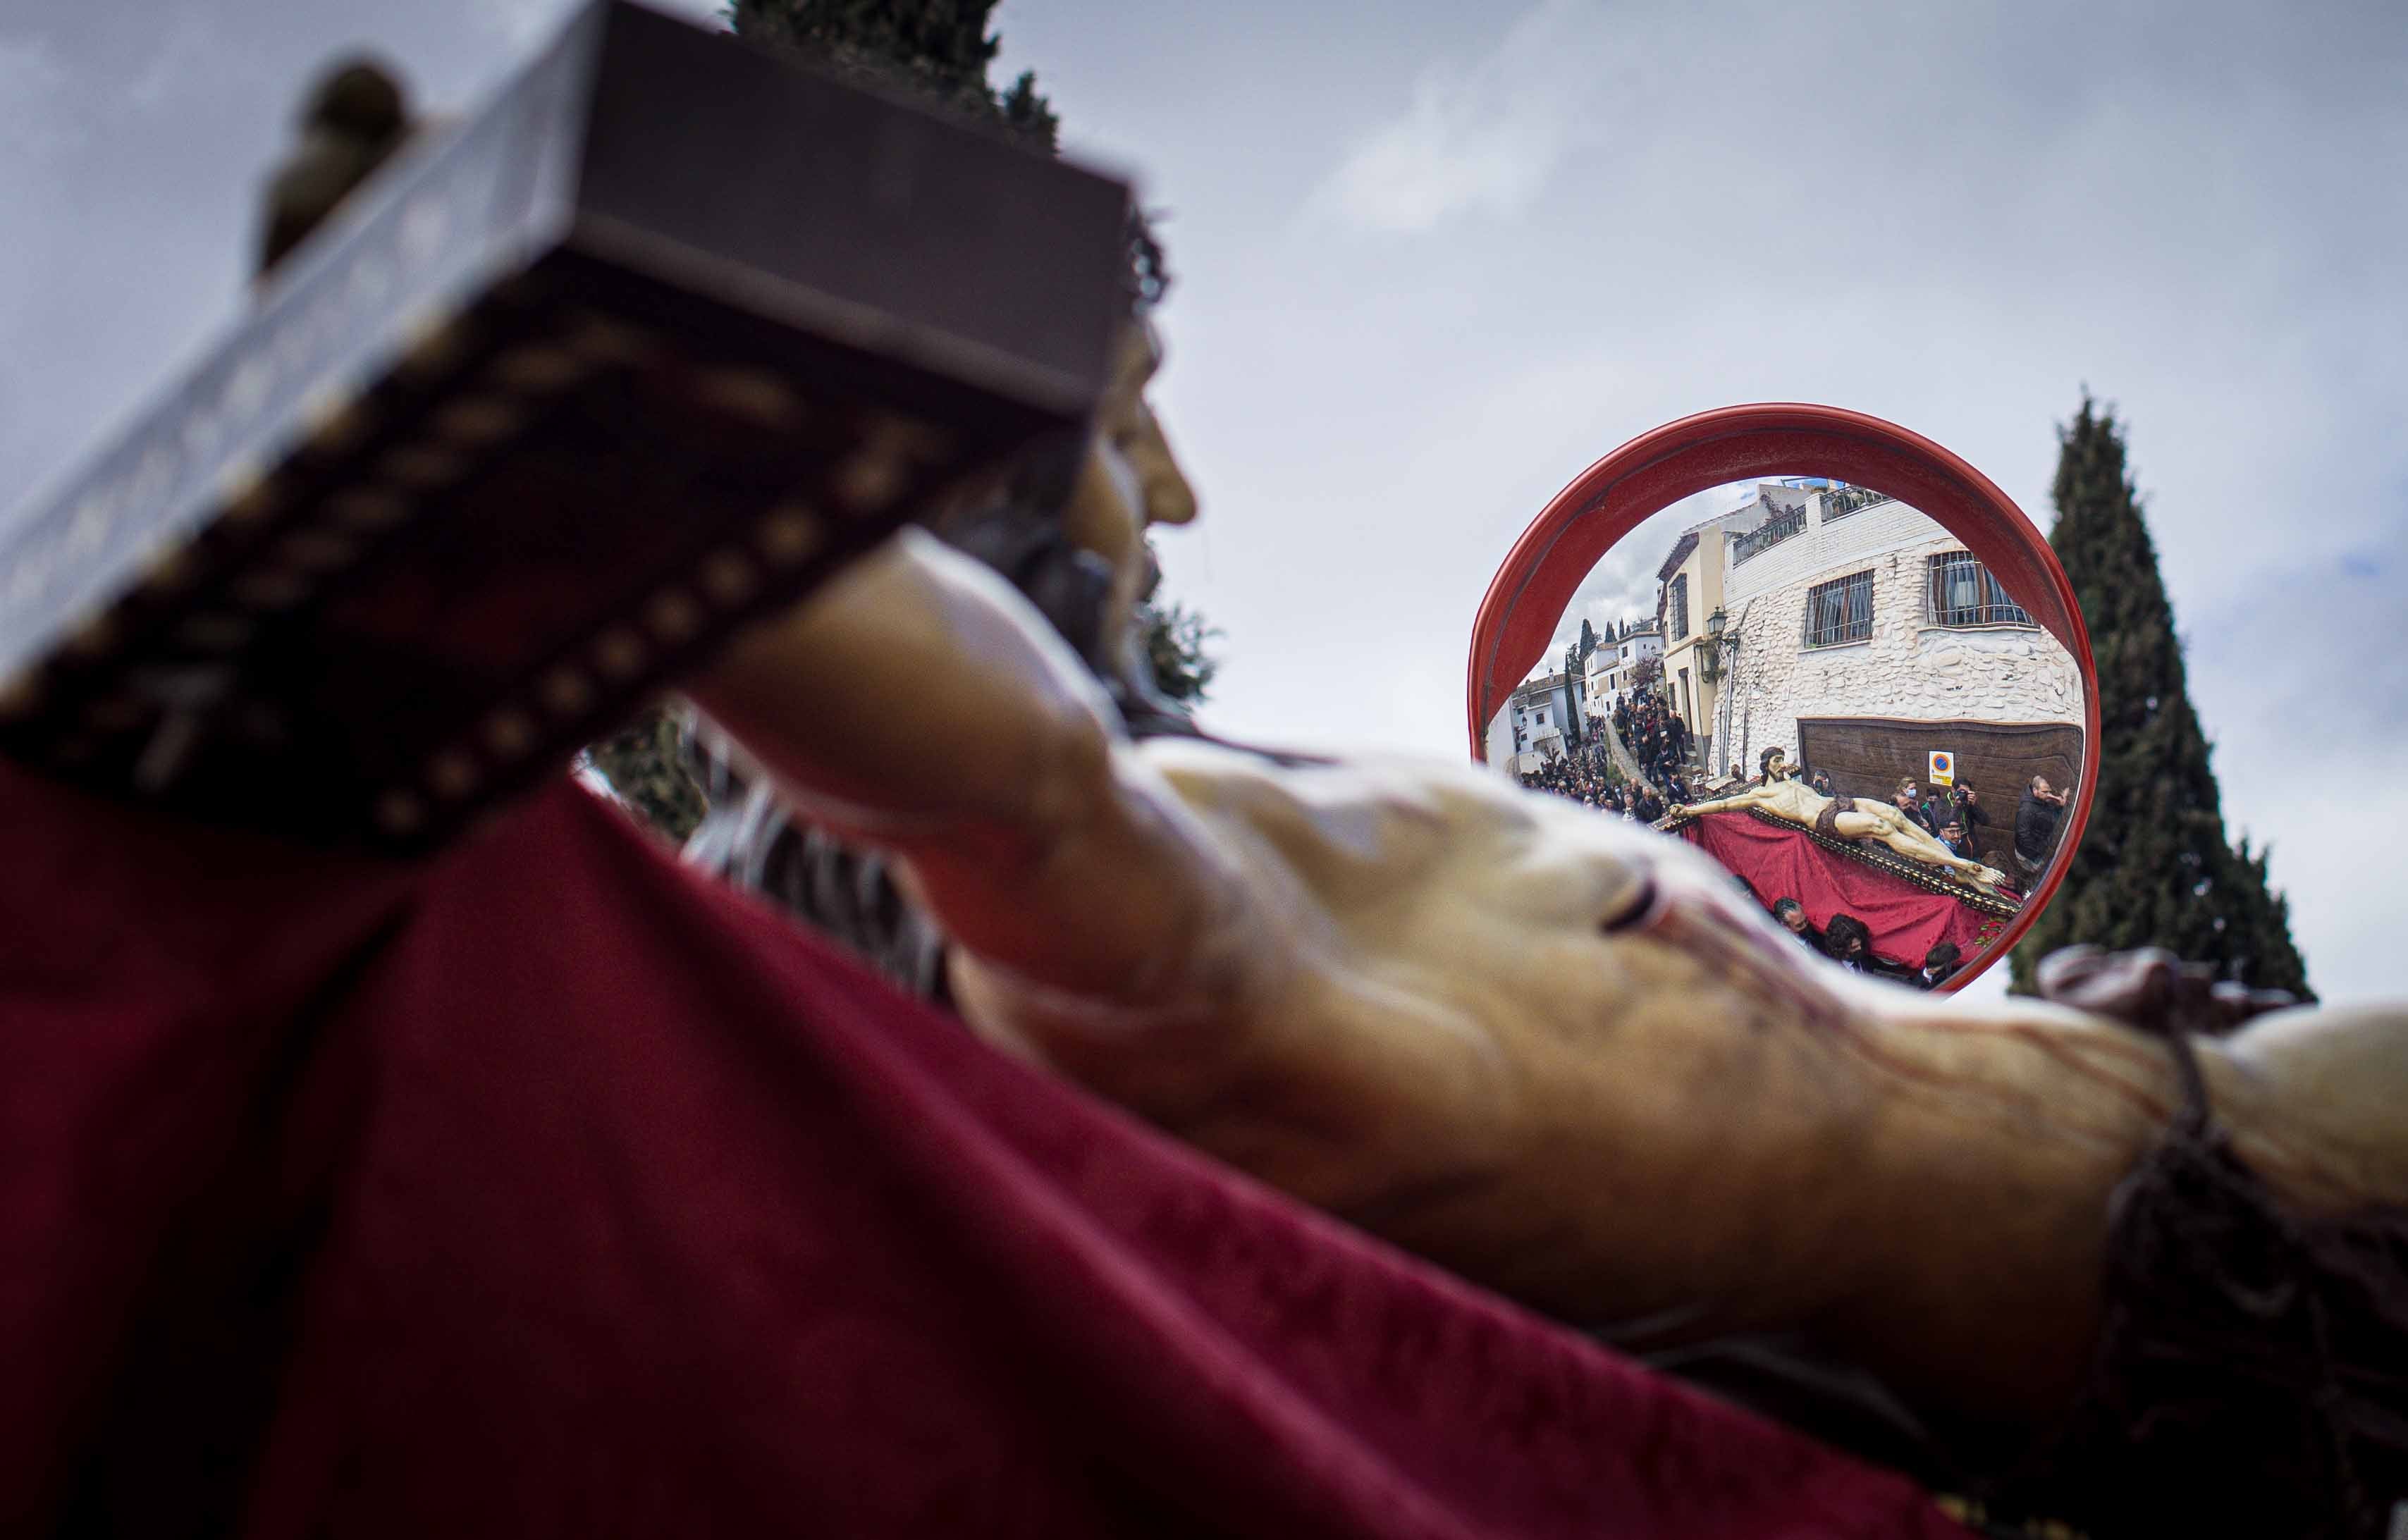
[1130, 481]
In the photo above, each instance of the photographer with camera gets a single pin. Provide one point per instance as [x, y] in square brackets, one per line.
[2037, 817]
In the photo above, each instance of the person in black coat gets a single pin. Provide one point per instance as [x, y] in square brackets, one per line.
[1951, 834]
[2036, 819]
[1966, 805]
[1939, 964]
[1849, 942]
[1792, 915]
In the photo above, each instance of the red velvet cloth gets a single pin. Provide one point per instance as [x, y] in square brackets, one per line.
[1906, 920]
[547, 1191]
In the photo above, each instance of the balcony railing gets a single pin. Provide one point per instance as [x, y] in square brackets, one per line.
[1848, 500]
[1768, 535]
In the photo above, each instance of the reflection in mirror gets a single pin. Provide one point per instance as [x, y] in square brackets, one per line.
[1815, 684]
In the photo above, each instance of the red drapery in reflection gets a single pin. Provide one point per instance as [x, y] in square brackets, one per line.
[1779, 862]
[547, 1191]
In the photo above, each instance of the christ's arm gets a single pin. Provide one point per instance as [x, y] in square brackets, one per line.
[916, 706]
[1721, 805]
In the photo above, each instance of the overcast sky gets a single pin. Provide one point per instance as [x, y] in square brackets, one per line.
[1435, 258]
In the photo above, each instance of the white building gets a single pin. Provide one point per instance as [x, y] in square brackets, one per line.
[1540, 720]
[1859, 632]
[1610, 667]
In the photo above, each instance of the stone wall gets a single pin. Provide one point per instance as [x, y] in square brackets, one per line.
[2008, 674]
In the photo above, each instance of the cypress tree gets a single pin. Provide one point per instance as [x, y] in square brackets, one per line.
[937, 51]
[2154, 868]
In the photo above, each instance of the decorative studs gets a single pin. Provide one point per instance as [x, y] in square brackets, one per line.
[317, 551]
[509, 734]
[922, 443]
[425, 468]
[607, 341]
[789, 535]
[869, 478]
[757, 395]
[673, 616]
[882, 465]
[368, 508]
[566, 693]
[619, 653]
[535, 367]
[271, 588]
[400, 812]
[729, 577]
[478, 421]
[451, 773]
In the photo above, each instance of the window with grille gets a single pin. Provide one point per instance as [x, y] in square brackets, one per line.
[1841, 610]
[1680, 605]
[1960, 591]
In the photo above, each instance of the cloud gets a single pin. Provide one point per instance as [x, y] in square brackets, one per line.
[1485, 139]
[33, 83]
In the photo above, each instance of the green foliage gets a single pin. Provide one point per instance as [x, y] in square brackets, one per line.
[1174, 640]
[937, 51]
[2154, 868]
[645, 763]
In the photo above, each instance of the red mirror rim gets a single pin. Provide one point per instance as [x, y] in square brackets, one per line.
[1525, 600]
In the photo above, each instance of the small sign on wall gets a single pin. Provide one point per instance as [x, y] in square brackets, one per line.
[1944, 768]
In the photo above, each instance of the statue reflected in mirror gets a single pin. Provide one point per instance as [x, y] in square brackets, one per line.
[1819, 686]
[1779, 793]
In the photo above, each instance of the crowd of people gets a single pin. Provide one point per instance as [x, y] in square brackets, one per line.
[1657, 738]
[1654, 736]
[1954, 814]
[1849, 942]
[1950, 814]
[1586, 774]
